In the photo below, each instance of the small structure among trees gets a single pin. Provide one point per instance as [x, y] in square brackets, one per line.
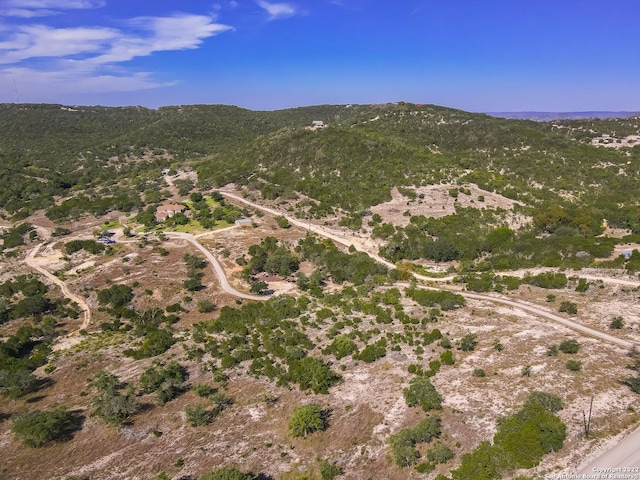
[167, 211]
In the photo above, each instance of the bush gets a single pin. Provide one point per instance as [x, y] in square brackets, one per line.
[341, 346]
[446, 357]
[617, 323]
[307, 419]
[569, 346]
[38, 427]
[110, 405]
[550, 401]
[227, 473]
[574, 365]
[371, 353]
[568, 307]
[479, 372]
[198, 415]
[116, 295]
[311, 373]
[403, 443]
[167, 381]
[328, 470]
[633, 383]
[203, 390]
[422, 392]
[206, 306]
[439, 453]
[468, 342]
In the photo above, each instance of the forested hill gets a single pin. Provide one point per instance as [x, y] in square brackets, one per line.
[110, 158]
[353, 163]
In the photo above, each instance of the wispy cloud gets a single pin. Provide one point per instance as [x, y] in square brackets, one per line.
[95, 57]
[44, 8]
[278, 11]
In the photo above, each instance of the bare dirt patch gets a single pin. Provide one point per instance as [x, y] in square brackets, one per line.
[436, 201]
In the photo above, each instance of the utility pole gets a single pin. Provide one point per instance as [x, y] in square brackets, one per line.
[587, 422]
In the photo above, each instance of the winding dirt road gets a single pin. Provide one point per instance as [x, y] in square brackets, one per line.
[31, 261]
[348, 241]
[224, 283]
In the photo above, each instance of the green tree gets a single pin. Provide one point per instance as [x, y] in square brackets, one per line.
[116, 295]
[328, 470]
[227, 473]
[110, 405]
[206, 306]
[422, 392]
[38, 427]
[569, 346]
[16, 382]
[550, 401]
[198, 415]
[568, 307]
[439, 453]
[617, 323]
[307, 419]
[468, 342]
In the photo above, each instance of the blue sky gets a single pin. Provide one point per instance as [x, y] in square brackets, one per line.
[477, 55]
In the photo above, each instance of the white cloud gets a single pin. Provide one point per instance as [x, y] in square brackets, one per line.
[92, 58]
[179, 32]
[34, 84]
[44, 8]
[38, 41]
[278, 10]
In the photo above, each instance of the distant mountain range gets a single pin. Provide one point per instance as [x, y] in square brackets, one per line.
[548, 116]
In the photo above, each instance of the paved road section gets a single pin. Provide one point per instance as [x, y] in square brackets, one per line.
[620, 462]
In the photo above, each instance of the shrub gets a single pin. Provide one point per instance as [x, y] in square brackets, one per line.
[403, 443]
[328, 470]
[574, 365]
[446, 357]
[550, 401]
[468, 342]
[227, 473]
[425, 467]
[568, 307]
[206, 306]
[479, 372]
[39, 427]
[311, 373]
[569, 346]
[582, 286]
[422, 392]
[341, 347]
[167, 381]
[198, 415]
[116, 295]
[111, 406]
[203, 390]
[307, 419]
[371, 353]
[633, 383]
[439, 453]
[617, 323]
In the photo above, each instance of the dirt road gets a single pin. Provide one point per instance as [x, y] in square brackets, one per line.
[31, 261]
[224, 283]
[347, 241]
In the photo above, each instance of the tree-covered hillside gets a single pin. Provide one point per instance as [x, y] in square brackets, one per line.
[51, 152]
